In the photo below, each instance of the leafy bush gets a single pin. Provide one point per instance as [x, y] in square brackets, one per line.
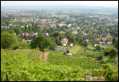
[110, 72]
[85, 44]
[23, 45]
[98, 47]
[9, 40]
[98, 72]
[110, 51]
[52, 44]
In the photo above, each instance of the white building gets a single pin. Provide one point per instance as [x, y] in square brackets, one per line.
[64, 41]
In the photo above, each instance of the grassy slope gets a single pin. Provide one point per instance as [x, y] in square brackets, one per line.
[25, 65]
[78, 59]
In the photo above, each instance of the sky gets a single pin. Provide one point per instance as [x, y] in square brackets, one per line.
[60, 3]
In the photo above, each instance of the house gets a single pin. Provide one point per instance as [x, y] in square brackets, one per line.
[71, 44]
[28, 36]
[102, 43]
[95, 45]
[109, 42]
[75, 32]
[64, 41]
[61, 25]
[87, 40]
[46, 34]
[69, 25]
[85, 34]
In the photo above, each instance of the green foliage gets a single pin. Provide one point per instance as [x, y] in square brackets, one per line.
[98, 47]
[25, 65]
[111, 51]
[17, 30]
[84, 43]
[110, 72]
[43, 42]
[71, 37]
[115, 42]
[98, 72]
[52, 43]
[23, 45]
[9, 40]
[13, 69]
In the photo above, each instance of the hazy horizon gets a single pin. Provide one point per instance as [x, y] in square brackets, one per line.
[59, 3]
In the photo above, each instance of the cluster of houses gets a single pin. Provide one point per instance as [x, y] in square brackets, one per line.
[103, 41]
[54, 21]
[29, 36]
[42, 22]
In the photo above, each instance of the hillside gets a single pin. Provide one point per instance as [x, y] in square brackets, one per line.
[25, 65]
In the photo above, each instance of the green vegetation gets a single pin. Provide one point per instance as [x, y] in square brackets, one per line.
[112, 52]
[9, 40]
[25, 65]
[42, 42]
[59, 44]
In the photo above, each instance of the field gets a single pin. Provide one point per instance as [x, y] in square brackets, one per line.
[25, 65]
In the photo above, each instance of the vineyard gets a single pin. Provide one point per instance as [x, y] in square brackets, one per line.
[25, 65]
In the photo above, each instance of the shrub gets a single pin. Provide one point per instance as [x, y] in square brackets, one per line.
[110, 51]
[98, 72]
[9, 40]
[23, 45]
[85, 44]
[99, 58]
[98, 47]
[111, 72]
